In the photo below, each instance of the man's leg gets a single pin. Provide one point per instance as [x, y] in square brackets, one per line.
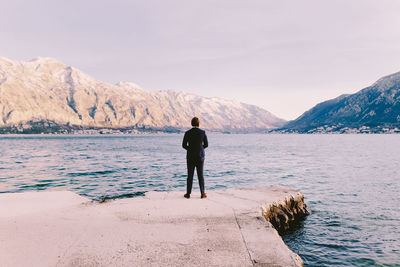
[190, 168]
[199, 168]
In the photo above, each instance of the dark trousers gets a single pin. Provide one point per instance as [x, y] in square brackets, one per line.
[191, 165]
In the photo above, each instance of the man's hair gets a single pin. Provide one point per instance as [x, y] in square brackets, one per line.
[195, 122]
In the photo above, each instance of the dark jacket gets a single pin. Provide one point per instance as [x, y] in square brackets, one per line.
[194, 141]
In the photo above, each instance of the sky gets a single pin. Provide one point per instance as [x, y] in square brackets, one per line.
[284, 56]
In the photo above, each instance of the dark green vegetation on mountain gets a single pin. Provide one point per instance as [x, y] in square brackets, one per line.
[374, 109]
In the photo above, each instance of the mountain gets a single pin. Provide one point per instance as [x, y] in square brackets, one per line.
[45, 95]
[373, 109]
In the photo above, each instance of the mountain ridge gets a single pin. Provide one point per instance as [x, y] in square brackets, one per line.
[46, 90]
[375, 108]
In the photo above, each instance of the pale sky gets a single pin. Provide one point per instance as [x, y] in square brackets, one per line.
[284, 56]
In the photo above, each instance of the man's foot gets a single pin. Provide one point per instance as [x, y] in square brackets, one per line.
[203, 195]
[186, 195]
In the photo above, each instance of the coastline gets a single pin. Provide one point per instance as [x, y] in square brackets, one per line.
[61, 228]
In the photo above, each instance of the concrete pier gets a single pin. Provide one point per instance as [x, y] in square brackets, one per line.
[229, 228]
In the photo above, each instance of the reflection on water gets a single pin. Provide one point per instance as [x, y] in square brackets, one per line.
[351, 182]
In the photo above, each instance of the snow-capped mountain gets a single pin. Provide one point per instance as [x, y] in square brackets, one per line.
[46, 90]
[373, 109]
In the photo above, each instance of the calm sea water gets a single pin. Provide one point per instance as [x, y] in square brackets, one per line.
[351, 182]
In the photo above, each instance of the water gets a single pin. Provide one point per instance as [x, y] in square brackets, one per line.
[351, 182]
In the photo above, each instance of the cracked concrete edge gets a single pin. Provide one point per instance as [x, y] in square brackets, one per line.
[258, 235]
[257, 232]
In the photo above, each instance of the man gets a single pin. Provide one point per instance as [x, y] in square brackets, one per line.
[194, 141]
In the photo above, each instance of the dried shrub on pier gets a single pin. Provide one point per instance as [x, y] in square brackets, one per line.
[283, 215]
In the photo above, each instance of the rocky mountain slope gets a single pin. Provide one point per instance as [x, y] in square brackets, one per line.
[373, 109]
[45, 91]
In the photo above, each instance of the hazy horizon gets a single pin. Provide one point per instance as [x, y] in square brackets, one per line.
[284, 56]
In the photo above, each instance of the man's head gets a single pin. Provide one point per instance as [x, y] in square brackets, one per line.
[195, 122]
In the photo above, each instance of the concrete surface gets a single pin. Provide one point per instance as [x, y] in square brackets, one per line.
[160, 229]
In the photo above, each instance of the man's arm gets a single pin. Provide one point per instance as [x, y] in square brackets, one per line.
[185, 142]
[205, 141]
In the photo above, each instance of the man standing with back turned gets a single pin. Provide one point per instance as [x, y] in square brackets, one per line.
[194, 141]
